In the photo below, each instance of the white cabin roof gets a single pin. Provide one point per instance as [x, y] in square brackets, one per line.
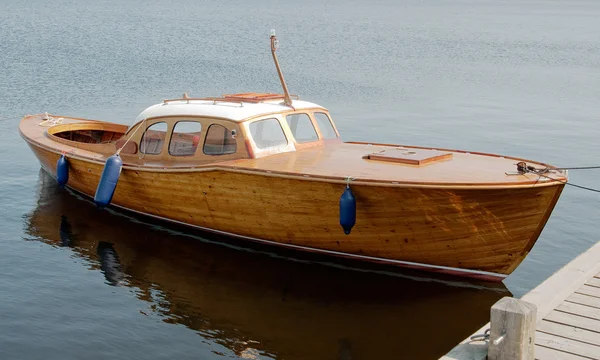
[236, 111]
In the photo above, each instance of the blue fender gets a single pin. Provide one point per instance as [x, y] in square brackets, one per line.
[108, 181]
[347, 210]
[62, 171]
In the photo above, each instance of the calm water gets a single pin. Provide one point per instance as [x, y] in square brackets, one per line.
[516, 77]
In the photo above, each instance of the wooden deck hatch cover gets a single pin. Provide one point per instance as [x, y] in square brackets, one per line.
[410, 156]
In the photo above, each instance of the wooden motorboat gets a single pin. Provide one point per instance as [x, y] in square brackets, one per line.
[273, 169]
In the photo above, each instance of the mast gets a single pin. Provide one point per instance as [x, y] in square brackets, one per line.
[274, 45]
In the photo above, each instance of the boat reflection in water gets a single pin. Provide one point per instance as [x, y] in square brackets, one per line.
[291, 308]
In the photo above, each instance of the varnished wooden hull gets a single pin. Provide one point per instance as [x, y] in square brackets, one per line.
[477, 232]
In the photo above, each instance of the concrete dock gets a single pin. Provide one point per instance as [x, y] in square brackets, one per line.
[559, 319]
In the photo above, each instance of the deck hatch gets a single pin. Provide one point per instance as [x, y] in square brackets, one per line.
[410, 156]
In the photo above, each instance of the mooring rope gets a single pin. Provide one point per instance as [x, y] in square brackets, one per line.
[568, 183]
[578, 168]
[523, 168]
[481, 337]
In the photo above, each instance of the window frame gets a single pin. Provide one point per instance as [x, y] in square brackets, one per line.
[318, 137]
[141, 147]
[337, 135]
[228, 131]
[278, 121]
[173, 133]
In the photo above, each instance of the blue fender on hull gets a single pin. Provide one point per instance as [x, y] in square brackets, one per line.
[108, 181]
[62, 170]
[347, 210]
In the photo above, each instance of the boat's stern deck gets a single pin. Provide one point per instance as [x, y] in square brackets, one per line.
[88, 138]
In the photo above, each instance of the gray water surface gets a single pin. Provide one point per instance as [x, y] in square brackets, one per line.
[519, 78]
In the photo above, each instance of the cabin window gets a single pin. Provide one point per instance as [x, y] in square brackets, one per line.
[302, 128]
[267, 133]
[185, 138]
[154, 139]
[219, 141]
[324, 122]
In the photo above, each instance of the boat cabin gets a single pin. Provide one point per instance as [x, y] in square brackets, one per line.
[238, 126]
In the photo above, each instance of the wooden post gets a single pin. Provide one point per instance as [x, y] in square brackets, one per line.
[512, 330]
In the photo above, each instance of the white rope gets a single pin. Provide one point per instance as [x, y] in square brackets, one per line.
[130, 136]
[50, 121]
